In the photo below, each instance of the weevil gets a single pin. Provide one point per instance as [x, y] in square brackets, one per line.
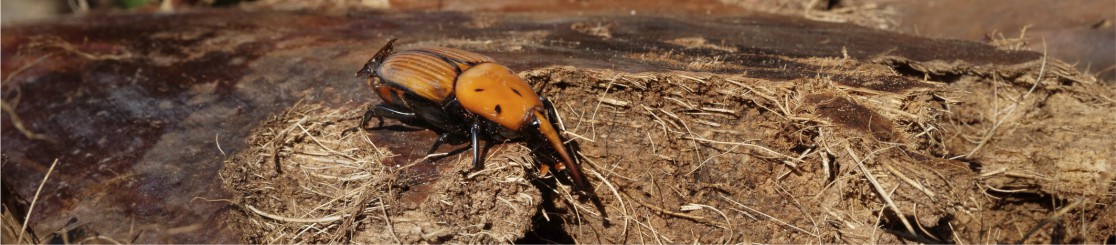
[465, 96]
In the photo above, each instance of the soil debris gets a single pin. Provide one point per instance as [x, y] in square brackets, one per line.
[681, 157]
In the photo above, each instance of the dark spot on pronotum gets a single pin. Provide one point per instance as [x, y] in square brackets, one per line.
[478, 90]
[498, 110]
[517, 92]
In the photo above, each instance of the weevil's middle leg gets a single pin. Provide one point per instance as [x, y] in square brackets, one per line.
[438, 142]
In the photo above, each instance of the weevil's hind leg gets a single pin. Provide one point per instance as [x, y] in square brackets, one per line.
[380, 112]
[368, 114]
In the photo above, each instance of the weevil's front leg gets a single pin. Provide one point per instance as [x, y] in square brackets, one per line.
[474, 134]
[570, 146]
[552, 113]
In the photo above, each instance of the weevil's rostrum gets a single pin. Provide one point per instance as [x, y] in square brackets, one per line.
[466, 97]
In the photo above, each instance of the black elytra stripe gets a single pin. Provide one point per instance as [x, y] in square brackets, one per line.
[417, 66]
[461, 55]
[448, 60]
[498, 110]
[422, 62]
[516, 91]
[451, 61]
[408, 89]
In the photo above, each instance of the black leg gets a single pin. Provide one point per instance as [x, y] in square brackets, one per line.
[474, 134]
[438, 142]
[551, 113]
[381, 111]
[571, 146]
[368, 116]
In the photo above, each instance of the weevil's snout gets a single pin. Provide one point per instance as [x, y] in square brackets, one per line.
[546, 130]
[541, 129]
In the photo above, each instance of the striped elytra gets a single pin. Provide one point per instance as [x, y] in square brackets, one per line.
[428, 72]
